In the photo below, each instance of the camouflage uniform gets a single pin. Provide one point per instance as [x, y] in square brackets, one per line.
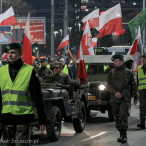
[20, 132]
[63, 79]
[43, 73]
[121, 79]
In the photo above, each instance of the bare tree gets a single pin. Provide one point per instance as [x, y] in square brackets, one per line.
[21, 7]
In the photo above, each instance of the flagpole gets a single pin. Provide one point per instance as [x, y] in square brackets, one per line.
[143, 30]
[0, 44]
[52, 28]
[68, 48]
[86, 43]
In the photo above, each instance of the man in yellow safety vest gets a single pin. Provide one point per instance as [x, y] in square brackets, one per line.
[141, 82]
[20, 94]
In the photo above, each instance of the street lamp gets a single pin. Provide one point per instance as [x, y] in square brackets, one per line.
[79, 26]
[70, 28]
[61, 32]
[55, 33]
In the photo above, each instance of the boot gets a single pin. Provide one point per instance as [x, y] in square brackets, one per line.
[141, 124]
[124, 137]
[120, 138]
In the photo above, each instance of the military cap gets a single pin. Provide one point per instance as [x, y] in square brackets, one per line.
[13, 45]
[117, 56]
[57, 64]
[44, 59]
[144, 56]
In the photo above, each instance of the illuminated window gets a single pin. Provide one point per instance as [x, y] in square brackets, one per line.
[84, 1]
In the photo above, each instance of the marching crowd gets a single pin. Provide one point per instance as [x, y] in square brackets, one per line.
[20, 91]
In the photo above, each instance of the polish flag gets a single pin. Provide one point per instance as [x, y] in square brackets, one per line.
[64, 42]
[94, 42]
[136, 50]
[110, 21]
[27, 49]
[4, 56]
[8, 17]
[133, 49]
[86, 42]
[92, 18]
[82, 75]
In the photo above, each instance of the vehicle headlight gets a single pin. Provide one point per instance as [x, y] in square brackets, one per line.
[101, 87]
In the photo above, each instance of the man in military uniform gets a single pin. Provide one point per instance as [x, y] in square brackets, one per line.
[44, 72]
[141, 82]
[121, 84]
[59, 76]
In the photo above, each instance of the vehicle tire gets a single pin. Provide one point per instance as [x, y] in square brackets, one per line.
[53, 126]
[110, 114]
[80, 122]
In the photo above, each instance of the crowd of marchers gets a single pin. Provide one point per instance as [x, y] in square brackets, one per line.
[45, 67]
[17, 79]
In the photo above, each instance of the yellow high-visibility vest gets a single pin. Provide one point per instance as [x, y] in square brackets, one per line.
[15, 96]
[141, 78]
[65, 69]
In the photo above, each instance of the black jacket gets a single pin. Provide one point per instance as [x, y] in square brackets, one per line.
[36, 95]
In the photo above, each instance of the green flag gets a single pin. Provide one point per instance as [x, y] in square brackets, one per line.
[139, 20]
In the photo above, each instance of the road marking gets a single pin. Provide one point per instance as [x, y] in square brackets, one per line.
[91, 137]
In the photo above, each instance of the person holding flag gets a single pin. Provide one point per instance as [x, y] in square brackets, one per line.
[141, 82]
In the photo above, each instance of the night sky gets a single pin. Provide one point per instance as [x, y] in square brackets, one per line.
[43, 4]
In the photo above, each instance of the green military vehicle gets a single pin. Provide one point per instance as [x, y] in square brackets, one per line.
[98, 67]
[60, 105]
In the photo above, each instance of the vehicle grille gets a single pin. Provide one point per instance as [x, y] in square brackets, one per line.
[93, 88]
[100, 95]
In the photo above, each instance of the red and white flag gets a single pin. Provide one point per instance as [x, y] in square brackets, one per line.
[27, 49]
[82, 75]
[4, 56]
[137, 42]
[8, 17]
[92, 18]
[63, 43]
[86, 42]
[136, 50]
[110, 21]
[94, 42]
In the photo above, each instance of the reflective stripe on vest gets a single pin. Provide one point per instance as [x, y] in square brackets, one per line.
[65, 69]
[141, 78]
[15, 96]
[14, 92]
[18, 103]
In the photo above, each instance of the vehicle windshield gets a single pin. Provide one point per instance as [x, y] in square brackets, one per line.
[99, 68]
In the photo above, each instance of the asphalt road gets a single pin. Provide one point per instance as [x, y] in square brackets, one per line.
[98, 132]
